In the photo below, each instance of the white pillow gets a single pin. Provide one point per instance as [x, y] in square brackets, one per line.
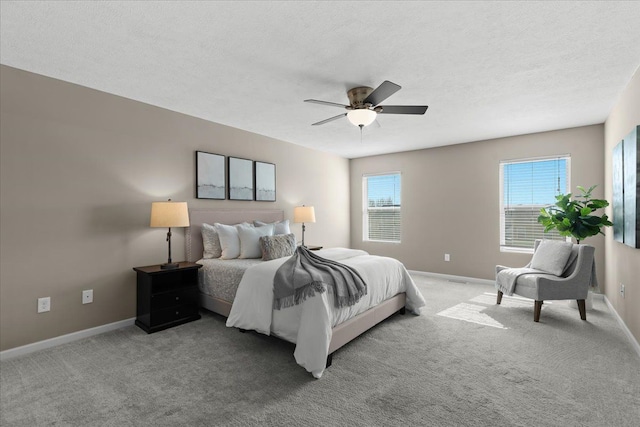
[210, 242]
[280, 227]
[551, 256]
[250, 239]
[229, 240]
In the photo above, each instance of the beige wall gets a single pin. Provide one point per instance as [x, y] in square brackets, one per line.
[623, 262]
[450, 199]
[79, 170]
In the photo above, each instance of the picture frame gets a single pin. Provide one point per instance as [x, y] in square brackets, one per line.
[631, 187]
[265, 181]
[210, 176]
[618, 193]
[240, 179]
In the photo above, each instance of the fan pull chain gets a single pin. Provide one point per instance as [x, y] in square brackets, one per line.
[360, 126]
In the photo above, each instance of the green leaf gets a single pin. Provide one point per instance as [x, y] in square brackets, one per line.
[597, 204]
[585, 211]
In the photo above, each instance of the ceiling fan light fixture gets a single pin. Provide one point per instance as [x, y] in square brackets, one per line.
[361, 117]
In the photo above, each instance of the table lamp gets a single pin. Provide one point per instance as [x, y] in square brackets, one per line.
[304, 214]
[169, 214]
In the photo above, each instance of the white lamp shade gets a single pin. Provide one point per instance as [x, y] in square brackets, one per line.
[362, 117]
[169, 214]
[304, 214]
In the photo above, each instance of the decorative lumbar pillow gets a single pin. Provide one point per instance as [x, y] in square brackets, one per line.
[229, 240]
[250, 239]
[210, 242]
[551, 256]
[280, 227]
[278, 246]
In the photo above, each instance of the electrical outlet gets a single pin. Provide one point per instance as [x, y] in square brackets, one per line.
[44, 304]
[447, 257]
[622, 290]
[87, 296]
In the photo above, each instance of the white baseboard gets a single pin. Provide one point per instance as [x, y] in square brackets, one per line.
[632, 339]
[453, 278]
[63, 339]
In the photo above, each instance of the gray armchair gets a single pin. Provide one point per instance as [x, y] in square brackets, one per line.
[573, 283]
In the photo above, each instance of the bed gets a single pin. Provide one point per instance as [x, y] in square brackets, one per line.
[315, 342]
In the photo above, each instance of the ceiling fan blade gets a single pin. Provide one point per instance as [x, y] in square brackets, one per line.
[329, 119]
[382, 92]
[403, 109]
[334, 104]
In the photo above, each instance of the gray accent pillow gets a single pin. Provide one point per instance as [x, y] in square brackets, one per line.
[210, 242]
[551, 256]
[278, 246]
[280, 227]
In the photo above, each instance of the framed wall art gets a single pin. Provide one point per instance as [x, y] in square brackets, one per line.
[631, 187]
[240, 174]
[210, 176]
[626, 189]
[265, 185]
[618, 194]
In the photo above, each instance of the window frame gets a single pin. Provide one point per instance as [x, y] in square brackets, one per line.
[365, 207]
[501, 216]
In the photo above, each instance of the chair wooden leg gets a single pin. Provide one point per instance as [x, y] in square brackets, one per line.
[582, 308]
[536, 311]
[499, 300]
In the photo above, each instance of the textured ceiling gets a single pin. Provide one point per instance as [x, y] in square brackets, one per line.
[486, 69]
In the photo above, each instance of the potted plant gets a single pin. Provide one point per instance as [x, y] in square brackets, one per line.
[576, 218]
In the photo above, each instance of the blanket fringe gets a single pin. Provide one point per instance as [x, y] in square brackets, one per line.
[310, 290]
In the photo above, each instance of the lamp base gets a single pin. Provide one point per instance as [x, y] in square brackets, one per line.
[169, 266]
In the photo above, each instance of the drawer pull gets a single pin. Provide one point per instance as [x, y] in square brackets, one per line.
[177, 298]
[177, 313]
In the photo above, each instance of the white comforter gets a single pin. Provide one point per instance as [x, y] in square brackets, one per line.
[309, 324]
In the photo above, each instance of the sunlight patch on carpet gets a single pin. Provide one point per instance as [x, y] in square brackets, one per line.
[471, 313]
[508, 302]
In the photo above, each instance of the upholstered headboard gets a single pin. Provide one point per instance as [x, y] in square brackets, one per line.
[210, 216]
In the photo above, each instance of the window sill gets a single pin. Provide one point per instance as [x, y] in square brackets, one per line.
[516, 250]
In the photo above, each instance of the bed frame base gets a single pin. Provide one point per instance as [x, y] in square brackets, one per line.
[216, 305]
[342, 333]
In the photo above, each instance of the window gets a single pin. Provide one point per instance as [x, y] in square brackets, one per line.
[526, 186]
[381, 208]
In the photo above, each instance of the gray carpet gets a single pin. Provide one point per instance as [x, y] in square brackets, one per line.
[427, 370]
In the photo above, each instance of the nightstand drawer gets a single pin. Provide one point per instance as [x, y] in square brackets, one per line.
[173, 314]
[187, 296]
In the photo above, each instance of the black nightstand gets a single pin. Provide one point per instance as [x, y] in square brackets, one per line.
[167, 298]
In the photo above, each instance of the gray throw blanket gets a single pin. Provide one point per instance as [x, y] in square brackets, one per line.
[506, 279]
[305, 274]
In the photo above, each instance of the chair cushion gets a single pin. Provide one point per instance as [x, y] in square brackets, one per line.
[551, 256]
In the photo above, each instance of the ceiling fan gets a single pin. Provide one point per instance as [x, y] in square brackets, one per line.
[364, 105]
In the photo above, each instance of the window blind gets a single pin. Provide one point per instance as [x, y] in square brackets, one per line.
[526, 187]
[381, 207]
